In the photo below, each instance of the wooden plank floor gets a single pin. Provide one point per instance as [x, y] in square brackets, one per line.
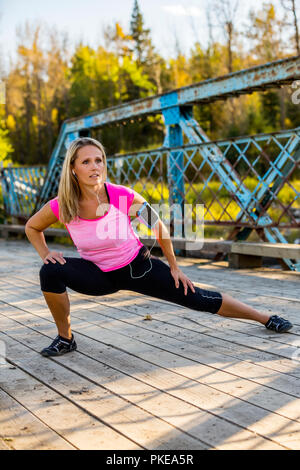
[183, 380]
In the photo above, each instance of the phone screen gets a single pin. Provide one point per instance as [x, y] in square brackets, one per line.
[148, 216]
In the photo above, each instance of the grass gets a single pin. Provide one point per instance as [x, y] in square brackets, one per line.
[224, 207]
[202, 193]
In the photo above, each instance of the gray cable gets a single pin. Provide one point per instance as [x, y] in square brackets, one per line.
[137, 277]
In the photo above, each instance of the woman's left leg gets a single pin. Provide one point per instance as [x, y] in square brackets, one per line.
[159, 283]
[235, 309]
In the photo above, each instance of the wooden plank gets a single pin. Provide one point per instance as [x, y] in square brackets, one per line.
[238, 261]
[235, 325]
[156, 401]
[134, 328]
[221, 280]
[4, 446]
[209, 245]
[83, 431]
[177, 361]
[216, 335]
[272, 250]
[139, 302]
[209, 329]
[285, 284]
[54, 410]
[221, 431]
[260, 354]
[192, 246]
[5, 229]
[264, 301]
[205, 335]
[201, 325]
[145, 429]
[279, 284]
[21, 429]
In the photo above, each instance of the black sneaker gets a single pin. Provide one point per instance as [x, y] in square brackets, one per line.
[60, 346]
[278, 324]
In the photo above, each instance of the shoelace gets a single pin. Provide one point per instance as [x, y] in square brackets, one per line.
[57, 342]
[276, 323]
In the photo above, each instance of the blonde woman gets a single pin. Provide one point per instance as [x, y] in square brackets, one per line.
[98, 216]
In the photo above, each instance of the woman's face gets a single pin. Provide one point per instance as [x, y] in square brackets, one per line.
[89, 165]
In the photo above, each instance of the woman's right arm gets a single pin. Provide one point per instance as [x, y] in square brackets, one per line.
[34, 232]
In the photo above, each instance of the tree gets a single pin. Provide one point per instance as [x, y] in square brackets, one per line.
[225, 12]
[142, 43]
[290, 6]
[265, 33]
[6, 148]
[37, 88]
[144, 51]
[117, 40]
[133, 81]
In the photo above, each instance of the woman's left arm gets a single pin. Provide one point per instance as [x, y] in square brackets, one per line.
[163, 237]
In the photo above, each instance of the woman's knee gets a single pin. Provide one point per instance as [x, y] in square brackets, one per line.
[220, 304]
[51, 277]
[50, 269]
[204, 300]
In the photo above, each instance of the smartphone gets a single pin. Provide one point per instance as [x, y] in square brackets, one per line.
[147, 215]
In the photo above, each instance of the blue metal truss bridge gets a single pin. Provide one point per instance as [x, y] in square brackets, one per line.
[182, 169]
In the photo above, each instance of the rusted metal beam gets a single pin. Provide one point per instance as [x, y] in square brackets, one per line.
[269, 75]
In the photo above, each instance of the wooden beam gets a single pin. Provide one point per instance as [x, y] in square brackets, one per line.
[272, 250]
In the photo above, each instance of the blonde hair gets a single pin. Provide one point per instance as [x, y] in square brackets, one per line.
[69, 189]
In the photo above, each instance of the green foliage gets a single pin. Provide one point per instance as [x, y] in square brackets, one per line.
[45, 87]
[5, 147]
[141, 39]
[6, 150]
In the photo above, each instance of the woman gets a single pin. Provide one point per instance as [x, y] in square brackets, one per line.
[97, 216]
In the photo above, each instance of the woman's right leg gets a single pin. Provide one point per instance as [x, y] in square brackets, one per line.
[79, 275]
[59, 306]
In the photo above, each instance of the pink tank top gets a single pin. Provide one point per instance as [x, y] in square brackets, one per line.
[108, 241]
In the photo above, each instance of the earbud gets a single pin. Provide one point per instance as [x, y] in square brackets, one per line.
[73, 172]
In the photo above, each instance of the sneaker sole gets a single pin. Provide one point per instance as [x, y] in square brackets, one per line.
[286, 329]
[282, 331]
[49, 354]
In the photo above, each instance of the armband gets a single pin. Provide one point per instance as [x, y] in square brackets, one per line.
[147, 215]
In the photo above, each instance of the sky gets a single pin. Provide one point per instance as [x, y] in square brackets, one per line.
[84, 19]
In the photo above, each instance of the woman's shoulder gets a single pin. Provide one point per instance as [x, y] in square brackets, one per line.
[55, 198]
[119, 187]
[121, 196]
[120, 190]
[54, 205]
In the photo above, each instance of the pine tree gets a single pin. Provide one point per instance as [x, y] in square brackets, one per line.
[142, 45]
[291, 7]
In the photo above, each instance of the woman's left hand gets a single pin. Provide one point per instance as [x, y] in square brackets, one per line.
[178, 275]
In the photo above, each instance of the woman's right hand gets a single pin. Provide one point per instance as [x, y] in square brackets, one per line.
[54, 256]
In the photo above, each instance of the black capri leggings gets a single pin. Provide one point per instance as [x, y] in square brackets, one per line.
[86, 277]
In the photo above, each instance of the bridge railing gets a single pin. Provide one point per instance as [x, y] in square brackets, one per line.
[262, 178]
[20, 188]
[239, 181]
